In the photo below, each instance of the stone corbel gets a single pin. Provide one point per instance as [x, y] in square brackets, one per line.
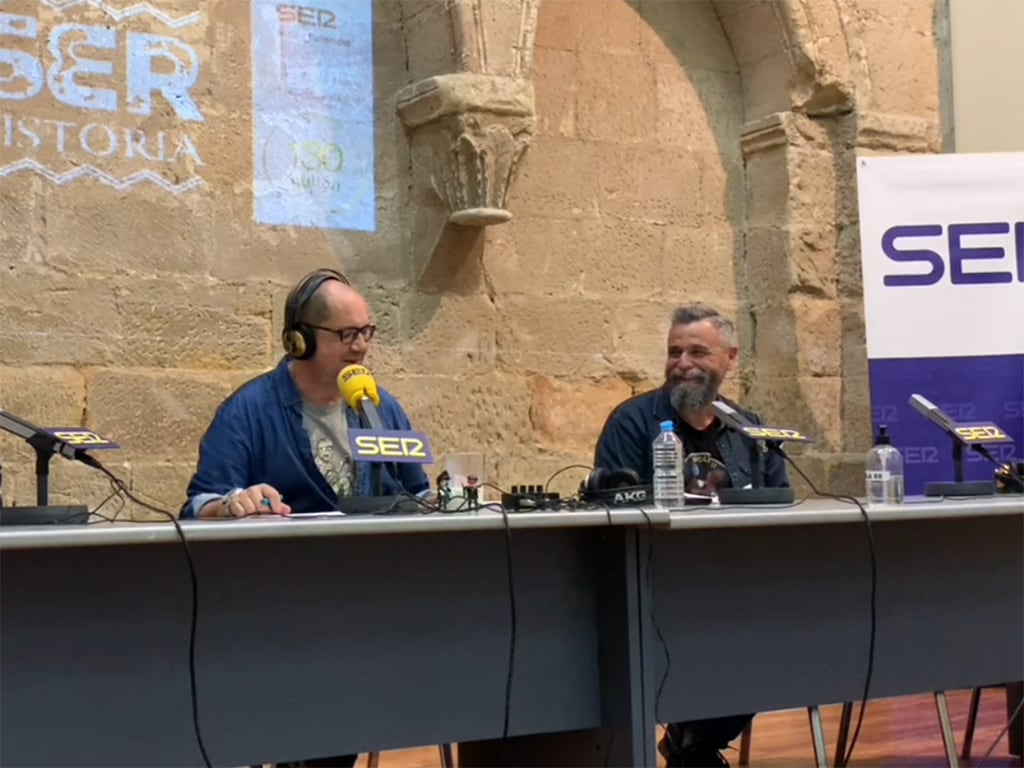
[477, 128]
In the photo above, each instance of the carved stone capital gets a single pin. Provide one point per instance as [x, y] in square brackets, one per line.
[477, 128]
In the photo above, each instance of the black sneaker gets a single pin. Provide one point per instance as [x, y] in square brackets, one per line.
[701, 757]
[679, 752]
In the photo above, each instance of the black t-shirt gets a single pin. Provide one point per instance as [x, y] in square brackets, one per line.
[703, 468]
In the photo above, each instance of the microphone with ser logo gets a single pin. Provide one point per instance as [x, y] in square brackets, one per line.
[974, 435]
[758, 434]
[383, 447]
[359, 390]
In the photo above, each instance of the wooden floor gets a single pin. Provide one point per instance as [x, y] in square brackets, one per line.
[896, 732]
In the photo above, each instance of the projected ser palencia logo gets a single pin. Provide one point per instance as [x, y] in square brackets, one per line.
[74, 96]
[307, 16]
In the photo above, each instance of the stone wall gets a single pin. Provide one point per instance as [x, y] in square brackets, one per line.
[648, 153]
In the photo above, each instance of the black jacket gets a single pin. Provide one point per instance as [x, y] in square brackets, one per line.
[629, 433]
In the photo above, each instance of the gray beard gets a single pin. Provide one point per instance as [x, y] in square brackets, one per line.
[685, 396]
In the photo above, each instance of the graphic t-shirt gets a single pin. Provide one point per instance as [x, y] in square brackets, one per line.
[328, 439]
[703, 470]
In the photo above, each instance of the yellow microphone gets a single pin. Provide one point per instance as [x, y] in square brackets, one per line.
[359, 390]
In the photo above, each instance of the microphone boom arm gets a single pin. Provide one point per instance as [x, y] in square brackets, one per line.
[46, 445]
[758, 493]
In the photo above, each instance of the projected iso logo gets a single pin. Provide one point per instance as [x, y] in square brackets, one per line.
[301, 157]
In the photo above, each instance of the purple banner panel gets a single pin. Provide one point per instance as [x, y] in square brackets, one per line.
[968, 389]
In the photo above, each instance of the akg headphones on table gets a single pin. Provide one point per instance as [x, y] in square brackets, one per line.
[299, 341]
[616, 488]
[1010, 478]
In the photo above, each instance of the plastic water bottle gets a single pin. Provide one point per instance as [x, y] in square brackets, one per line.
[668, 468]
[883, 471]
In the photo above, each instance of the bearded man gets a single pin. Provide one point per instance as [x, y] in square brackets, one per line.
[702, 350]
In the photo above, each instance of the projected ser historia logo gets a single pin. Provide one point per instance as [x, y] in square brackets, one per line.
[78, 79]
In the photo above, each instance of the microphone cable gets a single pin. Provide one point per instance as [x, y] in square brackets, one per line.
[123, 489]
[513, 614]
[512, 608]
[512, 621]
[874, 591]
[565, 469]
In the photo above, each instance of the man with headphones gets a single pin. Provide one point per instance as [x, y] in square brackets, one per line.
[701, 351]
[279, 443]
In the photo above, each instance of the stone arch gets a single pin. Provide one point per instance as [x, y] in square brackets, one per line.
[473, 103]
[792, 55]
[470, 116]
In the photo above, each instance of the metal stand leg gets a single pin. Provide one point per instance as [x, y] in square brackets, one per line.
[446, 755]
[972, 720]
[947, 729]
[745, 744]
[844, 733]
[1015, 736]
[818, 737]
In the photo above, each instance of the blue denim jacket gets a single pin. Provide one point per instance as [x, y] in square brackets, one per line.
[629, 433]
[257, 437]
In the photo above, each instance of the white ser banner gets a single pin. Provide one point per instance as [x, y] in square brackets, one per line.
[942, 251]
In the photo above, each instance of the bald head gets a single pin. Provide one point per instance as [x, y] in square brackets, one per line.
[333, 299]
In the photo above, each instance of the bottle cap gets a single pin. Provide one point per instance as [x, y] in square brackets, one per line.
[667, 426]
[883, 435]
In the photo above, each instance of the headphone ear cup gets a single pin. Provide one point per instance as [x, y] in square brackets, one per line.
[300, 343]
[595, 480]
[622, 478]
[307, 342]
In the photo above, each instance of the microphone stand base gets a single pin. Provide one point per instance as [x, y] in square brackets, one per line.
[972, 488]
[743, 496]
[45, 515]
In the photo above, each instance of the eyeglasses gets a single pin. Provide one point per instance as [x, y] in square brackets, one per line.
[348, 335]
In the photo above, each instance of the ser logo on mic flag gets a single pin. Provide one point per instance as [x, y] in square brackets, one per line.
[80, 437]
[981, 432]
[760, 432]
[389, 445]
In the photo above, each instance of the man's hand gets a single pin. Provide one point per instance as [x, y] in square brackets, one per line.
[260, 499]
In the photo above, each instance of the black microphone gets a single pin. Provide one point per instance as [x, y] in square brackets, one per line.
[730, 415]
[939, 418]
[756, 434]
[961, 435]
[743, 425]
[933, 413]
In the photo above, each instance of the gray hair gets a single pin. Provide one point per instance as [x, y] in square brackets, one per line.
[694, 313]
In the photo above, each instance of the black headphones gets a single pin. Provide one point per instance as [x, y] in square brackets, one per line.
[1010, 478]
[616, 488]
[298, 340]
